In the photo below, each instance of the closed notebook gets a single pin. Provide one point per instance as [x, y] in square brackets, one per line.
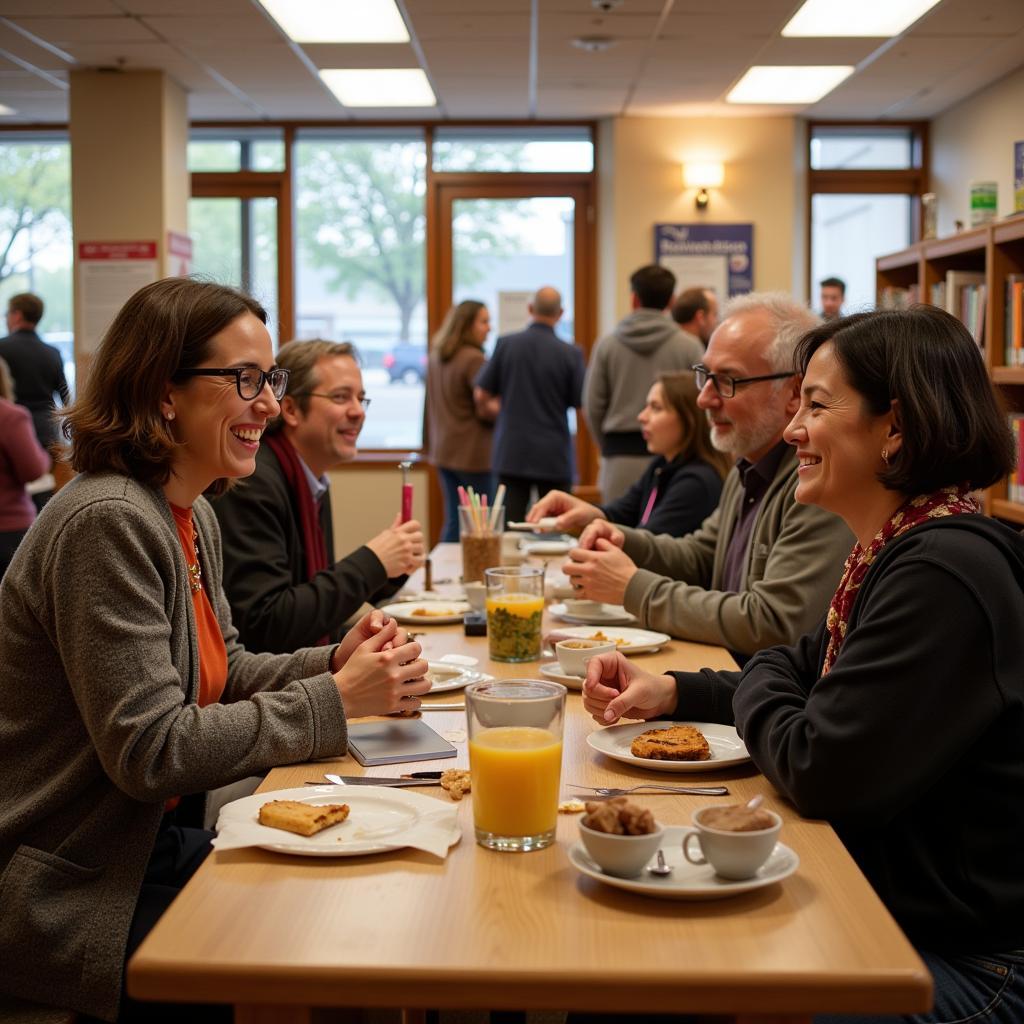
[396, 741]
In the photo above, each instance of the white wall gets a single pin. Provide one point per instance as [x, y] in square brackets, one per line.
[974, 141]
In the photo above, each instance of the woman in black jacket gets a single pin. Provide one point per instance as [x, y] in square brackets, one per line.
[900, 720]
[681, 486]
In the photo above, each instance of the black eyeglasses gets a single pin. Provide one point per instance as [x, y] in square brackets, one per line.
[338, 397]
[726, 386]
[248, 379]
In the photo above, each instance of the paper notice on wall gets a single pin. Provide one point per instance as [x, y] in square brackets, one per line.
[179, 254]
[716, 256]
[109, 273]
[513, 311]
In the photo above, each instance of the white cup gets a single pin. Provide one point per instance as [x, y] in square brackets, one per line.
[734, 855]
[476, 595]
[624, 856]
[573, 655]
[581, 607]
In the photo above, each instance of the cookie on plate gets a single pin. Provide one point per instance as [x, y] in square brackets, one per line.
[676, 743]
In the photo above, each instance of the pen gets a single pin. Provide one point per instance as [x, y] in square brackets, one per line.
[422, 775]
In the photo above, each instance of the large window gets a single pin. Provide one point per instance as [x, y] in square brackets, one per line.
[35, 232]
[533, 150]
[360, 276]
[865, 183]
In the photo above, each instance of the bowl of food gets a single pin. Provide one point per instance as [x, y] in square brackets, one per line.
[573, 654]
[620, 837]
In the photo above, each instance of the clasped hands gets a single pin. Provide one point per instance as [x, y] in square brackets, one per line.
[377, 669]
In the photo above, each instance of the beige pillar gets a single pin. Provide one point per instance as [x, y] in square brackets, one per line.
[129, 177]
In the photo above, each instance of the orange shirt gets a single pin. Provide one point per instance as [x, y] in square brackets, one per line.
[213, 655]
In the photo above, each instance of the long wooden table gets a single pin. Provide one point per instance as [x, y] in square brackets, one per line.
[278, 935]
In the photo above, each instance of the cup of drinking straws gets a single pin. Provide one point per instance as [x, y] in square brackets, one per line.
[480, 530]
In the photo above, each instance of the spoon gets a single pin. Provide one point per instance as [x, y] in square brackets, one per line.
[661, 869]
[754, 802]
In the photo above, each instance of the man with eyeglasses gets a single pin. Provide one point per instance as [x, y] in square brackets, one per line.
[761, 569]
[281, 578]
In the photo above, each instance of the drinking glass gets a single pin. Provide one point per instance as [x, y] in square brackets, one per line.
[515, 610]
[480, 536]
[515, 757]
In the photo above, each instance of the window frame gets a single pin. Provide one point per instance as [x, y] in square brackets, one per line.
[913, 181]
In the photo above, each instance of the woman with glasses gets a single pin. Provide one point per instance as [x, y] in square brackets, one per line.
[680, 487]
[124, 693]
[460, 432]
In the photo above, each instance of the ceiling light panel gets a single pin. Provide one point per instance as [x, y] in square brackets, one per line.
[380, 87]
[796, 85]
[339, 21]
[870, 18]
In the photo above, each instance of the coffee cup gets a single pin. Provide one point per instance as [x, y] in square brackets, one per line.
[573, 655]
[581, 607]
[733, 855]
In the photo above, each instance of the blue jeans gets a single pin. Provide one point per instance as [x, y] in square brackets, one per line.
[451, 480]
[969, 989]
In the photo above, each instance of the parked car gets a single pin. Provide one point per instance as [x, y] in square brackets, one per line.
[406, 362]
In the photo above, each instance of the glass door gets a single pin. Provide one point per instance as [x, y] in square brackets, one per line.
[499, 243]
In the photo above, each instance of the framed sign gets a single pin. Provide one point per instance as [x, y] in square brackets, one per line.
[715, 256]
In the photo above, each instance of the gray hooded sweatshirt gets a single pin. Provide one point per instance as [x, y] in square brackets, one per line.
[623, 366]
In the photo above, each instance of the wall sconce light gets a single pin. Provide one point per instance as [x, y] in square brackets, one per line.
[703, 176]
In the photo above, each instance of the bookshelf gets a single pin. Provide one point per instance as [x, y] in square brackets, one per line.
[979, 265]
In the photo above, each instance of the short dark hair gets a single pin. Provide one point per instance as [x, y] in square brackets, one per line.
[28, 305]
[954, 432]
[653, 286]
[689, 304]
[116, 423]
[834, 282]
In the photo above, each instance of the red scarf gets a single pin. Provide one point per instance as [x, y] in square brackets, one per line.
[947, 501]
[313, 542]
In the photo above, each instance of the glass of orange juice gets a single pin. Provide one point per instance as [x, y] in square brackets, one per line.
[515, 609]
[515, 757]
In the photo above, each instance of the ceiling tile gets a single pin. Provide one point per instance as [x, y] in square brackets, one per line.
[63, 32]
[471, 24]
[971, 17]
[499, 57]
[214, 28]
[382, 55]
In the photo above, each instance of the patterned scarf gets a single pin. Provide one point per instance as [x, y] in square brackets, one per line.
[947, 501]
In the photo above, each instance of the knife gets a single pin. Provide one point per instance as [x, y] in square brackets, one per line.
[374, 780]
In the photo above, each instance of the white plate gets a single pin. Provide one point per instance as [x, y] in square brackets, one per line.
[689, 881]
[405, 612]
[377, 818]
[607, 615]
[555, 674]
[548, 547]
[637, 640]
[727, 748]
[444, 677]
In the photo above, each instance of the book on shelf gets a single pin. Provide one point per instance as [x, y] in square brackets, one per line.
[898, 298]
[1013, 326]
[964, 293]
[1015, 481]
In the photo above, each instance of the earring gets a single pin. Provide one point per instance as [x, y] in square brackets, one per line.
[169, 415]
[885, 456]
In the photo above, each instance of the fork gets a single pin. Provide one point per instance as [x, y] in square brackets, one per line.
[655, 788]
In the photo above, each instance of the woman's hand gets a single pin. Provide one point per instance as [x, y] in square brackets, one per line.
[400, 547]
[572, 513]
[601, 529]
[615, 688]
[369, 625]
[383, 676]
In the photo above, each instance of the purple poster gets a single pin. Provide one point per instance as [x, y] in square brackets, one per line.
[715, 256]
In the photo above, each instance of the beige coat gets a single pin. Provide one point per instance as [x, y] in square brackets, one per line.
[793, 565]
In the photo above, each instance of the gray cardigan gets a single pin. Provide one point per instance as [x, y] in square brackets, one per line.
[99, 726]
[792, 567]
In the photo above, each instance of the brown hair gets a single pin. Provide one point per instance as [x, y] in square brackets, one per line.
[454, 332]
[28, 305]
[953, 429]
[689, 304]
[680, 391]
[299, 358]
[116, 424]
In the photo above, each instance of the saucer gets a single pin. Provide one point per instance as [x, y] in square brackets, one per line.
[556, 675]
[689, 881]
[606, 615]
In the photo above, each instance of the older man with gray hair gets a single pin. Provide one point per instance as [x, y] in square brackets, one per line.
[761, 568]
